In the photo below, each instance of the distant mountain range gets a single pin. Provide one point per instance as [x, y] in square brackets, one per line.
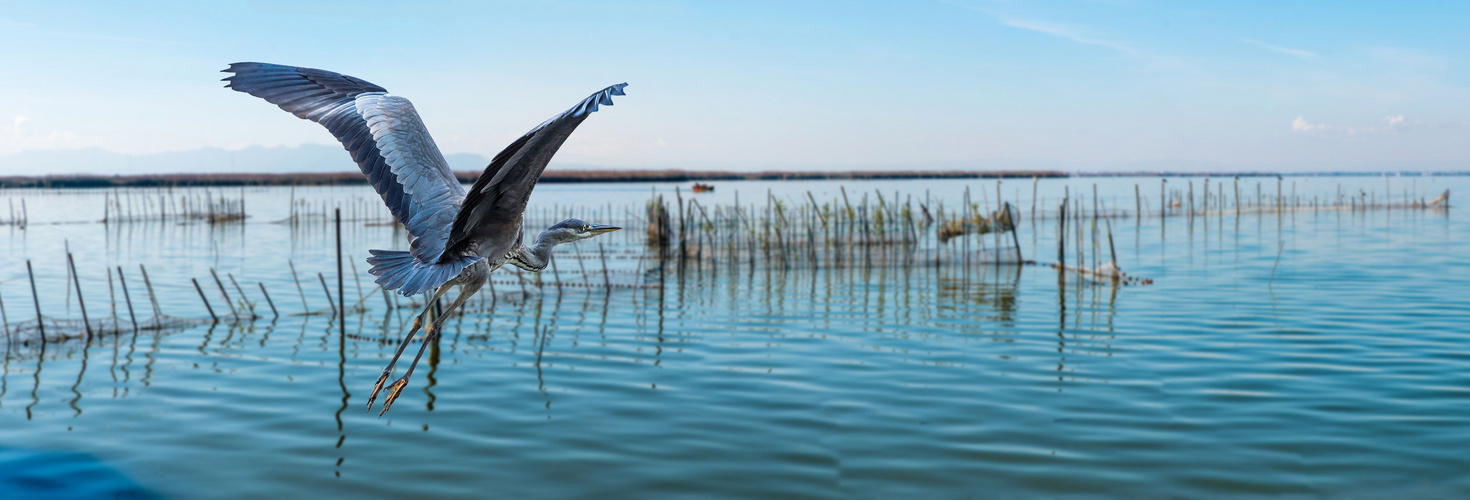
[255, 159]
[317, 158]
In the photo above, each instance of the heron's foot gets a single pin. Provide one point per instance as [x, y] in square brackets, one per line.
[393, 392]
[378, 387]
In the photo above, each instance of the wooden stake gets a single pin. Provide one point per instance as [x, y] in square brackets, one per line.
[330, 302]
[40, 321]
[153, 298]
[274, 313]
[222, 291]
[127, 297]
[81, 304]
[205, 299]
[337, 221]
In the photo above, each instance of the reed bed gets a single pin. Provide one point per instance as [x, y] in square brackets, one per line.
[869, 228]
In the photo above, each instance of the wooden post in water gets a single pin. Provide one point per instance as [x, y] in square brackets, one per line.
[127, 297]
[1204, 200]
[244, 302]
[5, 320]
[337, 221]
[330, 303]
[40, 321]
[1062, 232]
[679, 197]
[1191, 199]
[1035, 181]
[304, 308]
[1015, 238]
[81, 304]
[606, 280]
[228, 301]
[111, 299]
[1112, 251]
[152, 298]
[205, 299]
[1278, 194]
[274, 313]
[1237, 196]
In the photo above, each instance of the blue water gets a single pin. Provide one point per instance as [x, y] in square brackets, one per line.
[1301, 355]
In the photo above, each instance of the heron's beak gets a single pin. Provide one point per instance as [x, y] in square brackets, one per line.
[599, 229]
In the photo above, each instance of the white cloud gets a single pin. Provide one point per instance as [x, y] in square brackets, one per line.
[1389, 124]
[17, 137]
[1300, 125]
[1297, 53]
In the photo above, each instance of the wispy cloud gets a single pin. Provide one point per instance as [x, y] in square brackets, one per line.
[1079, 34]
[1305, 55]
[16, 137]
[1072, 33]
[1390, 124]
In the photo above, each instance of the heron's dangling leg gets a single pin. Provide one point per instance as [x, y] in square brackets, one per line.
[431, 333]
[418, 321]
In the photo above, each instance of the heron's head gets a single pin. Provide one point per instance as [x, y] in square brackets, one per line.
[571, 230]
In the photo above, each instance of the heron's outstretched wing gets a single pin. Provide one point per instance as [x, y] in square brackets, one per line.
[383, 133]
[490, 219]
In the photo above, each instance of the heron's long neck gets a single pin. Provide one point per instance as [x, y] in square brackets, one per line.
[534, 257]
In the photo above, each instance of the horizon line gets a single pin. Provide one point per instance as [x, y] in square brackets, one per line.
[345, 177]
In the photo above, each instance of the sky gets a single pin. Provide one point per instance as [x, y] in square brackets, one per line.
[1098, 85]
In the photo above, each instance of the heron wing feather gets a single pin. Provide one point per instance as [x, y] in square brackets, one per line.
[490, 217]
[384, 135]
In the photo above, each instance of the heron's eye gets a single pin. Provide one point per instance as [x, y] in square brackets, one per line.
[587, 228]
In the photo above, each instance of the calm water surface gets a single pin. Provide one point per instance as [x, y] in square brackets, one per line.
[1313, 354]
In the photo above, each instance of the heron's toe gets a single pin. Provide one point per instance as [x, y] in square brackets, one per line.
[393, 392]
[377, 387]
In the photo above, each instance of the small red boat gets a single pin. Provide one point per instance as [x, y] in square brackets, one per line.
[703, 188]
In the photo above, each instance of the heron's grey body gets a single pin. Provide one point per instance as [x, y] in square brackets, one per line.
[456, 238]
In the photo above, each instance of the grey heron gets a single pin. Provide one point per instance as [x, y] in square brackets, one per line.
[455, 238]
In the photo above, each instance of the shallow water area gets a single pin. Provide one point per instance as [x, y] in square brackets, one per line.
[1305, 353]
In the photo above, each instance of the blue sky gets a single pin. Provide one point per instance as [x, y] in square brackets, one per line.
[1079, 85]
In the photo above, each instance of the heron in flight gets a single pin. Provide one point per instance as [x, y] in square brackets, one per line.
[455, 238]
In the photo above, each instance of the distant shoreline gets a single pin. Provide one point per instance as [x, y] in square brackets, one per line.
[587, 176]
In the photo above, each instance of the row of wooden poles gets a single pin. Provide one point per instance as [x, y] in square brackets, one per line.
[1183, 202]
[357, 208]
[1073, 219]
[874, 229]
[166, 203]
[134, 205]
[87, 326]
[244, 311]
[240, 307]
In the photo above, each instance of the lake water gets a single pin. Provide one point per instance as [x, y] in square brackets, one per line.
[1305, 354]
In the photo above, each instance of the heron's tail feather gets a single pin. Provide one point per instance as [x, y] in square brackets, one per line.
[398, 270]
